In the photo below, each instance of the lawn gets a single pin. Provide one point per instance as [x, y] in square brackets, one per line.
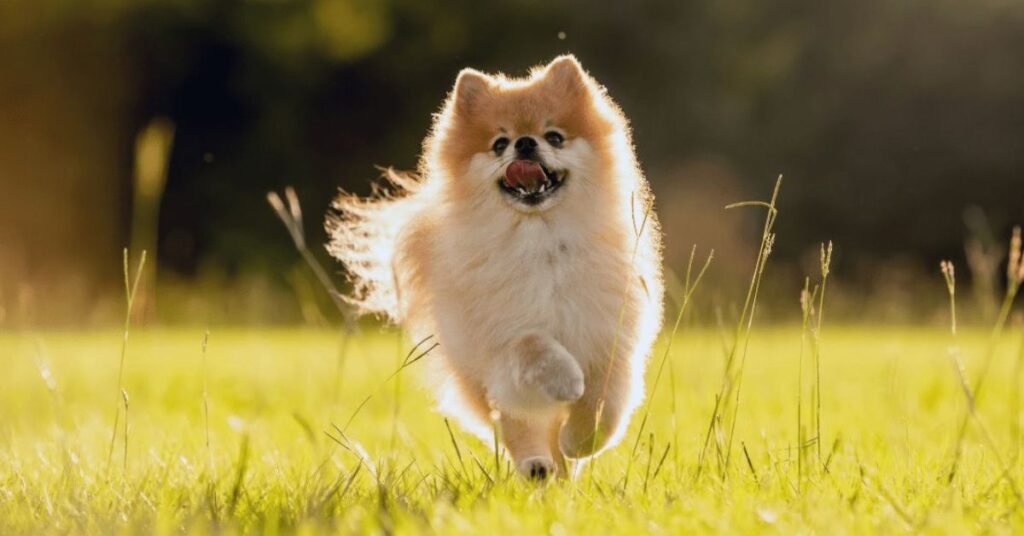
[272, 458]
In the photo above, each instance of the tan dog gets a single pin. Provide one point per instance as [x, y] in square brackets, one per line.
[528, 248]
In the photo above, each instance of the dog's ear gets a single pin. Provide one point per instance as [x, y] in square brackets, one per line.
[472, 88]
[565, 75]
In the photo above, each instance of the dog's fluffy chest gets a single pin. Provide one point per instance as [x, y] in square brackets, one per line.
[546, 264]
[535, 275]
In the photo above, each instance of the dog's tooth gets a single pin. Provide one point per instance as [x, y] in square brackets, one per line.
[543, 187]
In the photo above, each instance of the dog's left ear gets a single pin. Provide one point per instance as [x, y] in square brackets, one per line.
[566, 75]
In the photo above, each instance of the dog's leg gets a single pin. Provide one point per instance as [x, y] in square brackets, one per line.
[595, 417]
[530, 443]
[531, 391]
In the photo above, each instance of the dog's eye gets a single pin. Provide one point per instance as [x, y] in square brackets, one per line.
[499, 145]
[554, 138]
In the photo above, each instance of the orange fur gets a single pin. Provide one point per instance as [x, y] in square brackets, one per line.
[544, 312]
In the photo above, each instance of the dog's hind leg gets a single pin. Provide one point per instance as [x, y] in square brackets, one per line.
[596, 417]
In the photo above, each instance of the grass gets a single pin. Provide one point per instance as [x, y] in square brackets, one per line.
[305, 430]
[238, 438]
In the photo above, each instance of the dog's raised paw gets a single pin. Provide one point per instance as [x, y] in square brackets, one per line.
[566, 389]
[560, 377]
[537, 468]
[548, 370]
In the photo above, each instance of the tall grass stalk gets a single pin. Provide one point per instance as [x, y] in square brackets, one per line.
[410, 359]
[291, 218]
[673, 282]
[130, 288]
[690, 284]
[50, 382]
[458, 451]
[673, 413]
[396, 403]
[496, 437]
[1014, 279]
[206, 403]
[732, 377]
[806, 310]
[949, 274]
[206, 397]
[211, 477]
[826, 264]
[750, 463]
[241, 466]
[1015, 409]
[638, 230]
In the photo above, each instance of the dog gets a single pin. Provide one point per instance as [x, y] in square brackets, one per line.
[527, 245]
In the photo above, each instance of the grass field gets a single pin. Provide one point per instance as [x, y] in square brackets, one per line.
[891, 408]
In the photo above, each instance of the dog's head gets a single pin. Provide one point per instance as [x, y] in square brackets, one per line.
[530, 142]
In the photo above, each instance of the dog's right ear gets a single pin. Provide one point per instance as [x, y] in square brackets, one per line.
[472, 88]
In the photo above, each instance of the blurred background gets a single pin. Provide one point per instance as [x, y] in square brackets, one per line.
[162, 125]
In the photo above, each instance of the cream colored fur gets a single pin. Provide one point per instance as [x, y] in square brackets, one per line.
[545, 315]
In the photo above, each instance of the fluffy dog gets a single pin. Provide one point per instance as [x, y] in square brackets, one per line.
[527, 245]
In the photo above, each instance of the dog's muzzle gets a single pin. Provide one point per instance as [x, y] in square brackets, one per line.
[530, 182]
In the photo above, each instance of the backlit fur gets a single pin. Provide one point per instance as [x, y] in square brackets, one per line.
[545, 314]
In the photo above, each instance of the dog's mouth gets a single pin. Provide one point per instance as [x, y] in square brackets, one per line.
[530, 182]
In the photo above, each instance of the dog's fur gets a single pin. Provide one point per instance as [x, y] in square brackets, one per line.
[544, 312]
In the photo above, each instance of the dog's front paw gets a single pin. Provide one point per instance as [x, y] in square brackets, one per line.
[557, 375]
[566, 385]
[537, 468]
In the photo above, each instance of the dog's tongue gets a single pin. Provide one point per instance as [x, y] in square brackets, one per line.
[525, 173]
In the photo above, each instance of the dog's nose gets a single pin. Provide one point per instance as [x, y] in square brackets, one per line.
[525, 146]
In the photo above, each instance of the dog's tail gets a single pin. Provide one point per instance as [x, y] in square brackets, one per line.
[364, 236]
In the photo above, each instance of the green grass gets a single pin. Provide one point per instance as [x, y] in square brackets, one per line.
[891, 405]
